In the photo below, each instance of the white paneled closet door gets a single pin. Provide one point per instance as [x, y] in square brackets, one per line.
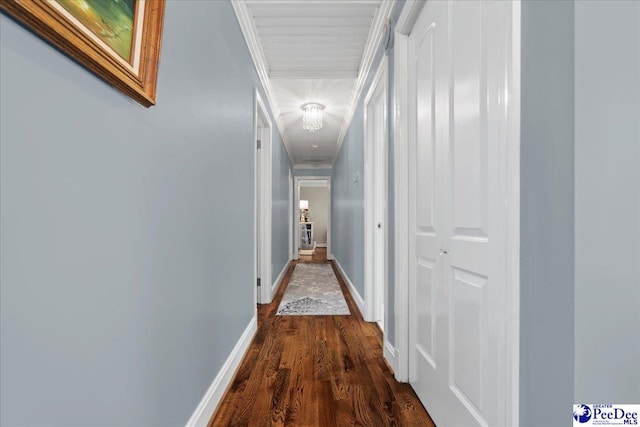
[458, 60]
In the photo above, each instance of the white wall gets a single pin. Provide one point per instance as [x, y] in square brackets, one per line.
[607, 198]
[318, 198]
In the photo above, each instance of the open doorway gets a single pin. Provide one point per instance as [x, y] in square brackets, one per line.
[312, 224]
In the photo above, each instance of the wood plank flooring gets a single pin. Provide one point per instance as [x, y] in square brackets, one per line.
[320, 371]
[319, 256]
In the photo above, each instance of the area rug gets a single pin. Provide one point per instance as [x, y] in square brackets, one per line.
[313, 290]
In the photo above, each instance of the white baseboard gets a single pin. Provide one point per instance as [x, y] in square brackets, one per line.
[390, 354]
[278, 281]
[321, 245]
[354, 292]
[211, 399]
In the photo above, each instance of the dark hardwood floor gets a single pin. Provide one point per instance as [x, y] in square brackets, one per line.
[319, 256]
[320, 371]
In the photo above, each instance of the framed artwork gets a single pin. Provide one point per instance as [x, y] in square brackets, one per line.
[119, 40]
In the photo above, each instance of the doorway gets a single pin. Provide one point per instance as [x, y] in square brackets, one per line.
[311, 224]
[454, 144]
[375, 198]
[262, 201]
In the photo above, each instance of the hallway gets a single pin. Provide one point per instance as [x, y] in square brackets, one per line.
[317, 371]
[481, 165]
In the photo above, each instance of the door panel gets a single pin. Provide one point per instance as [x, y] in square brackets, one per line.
[426, 310]
[467, 147]
[457, 77]
[426, 148]
[425, 263]
[468, 331]
[466, 216]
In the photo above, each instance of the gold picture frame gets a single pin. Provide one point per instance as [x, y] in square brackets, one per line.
[60, 24]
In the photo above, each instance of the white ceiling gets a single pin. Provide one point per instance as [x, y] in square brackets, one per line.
[335, 94]
[312, 51]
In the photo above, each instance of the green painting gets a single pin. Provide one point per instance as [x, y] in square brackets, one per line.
[110, 20]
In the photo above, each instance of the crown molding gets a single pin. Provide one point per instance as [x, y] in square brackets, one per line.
[371, 49]
[251, 37]
[409, 15]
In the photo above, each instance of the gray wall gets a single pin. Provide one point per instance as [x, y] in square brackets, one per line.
[347, 206]
[607, 306]
[124, 234]
[580, 201]
[348, 197]
[547, 236]
[279, 206]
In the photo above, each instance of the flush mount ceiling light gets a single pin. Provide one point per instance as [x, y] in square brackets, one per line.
[312, 116]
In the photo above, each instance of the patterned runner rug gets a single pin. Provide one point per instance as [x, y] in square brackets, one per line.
[313, 290]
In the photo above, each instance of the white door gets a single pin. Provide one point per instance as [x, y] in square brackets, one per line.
[259, 219]
[262, 198]
[376, 148]
[457, 62]
[376, 118]
[380, 197]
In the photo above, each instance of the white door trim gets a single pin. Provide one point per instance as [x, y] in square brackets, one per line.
[401, 187]
[511, 186]
[295, 218]
[510, 189]
[291, 215]
[374, 204]
[262, 190]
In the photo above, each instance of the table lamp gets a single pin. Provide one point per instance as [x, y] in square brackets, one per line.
[304, 208]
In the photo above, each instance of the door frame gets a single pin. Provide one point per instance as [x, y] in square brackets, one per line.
[408, 16]
[262, 130]
[295, 218]
[291, 214]
[510, 192]
[376, 257]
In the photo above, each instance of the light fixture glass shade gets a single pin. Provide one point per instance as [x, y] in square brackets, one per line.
[312, 116]
[304, 204]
